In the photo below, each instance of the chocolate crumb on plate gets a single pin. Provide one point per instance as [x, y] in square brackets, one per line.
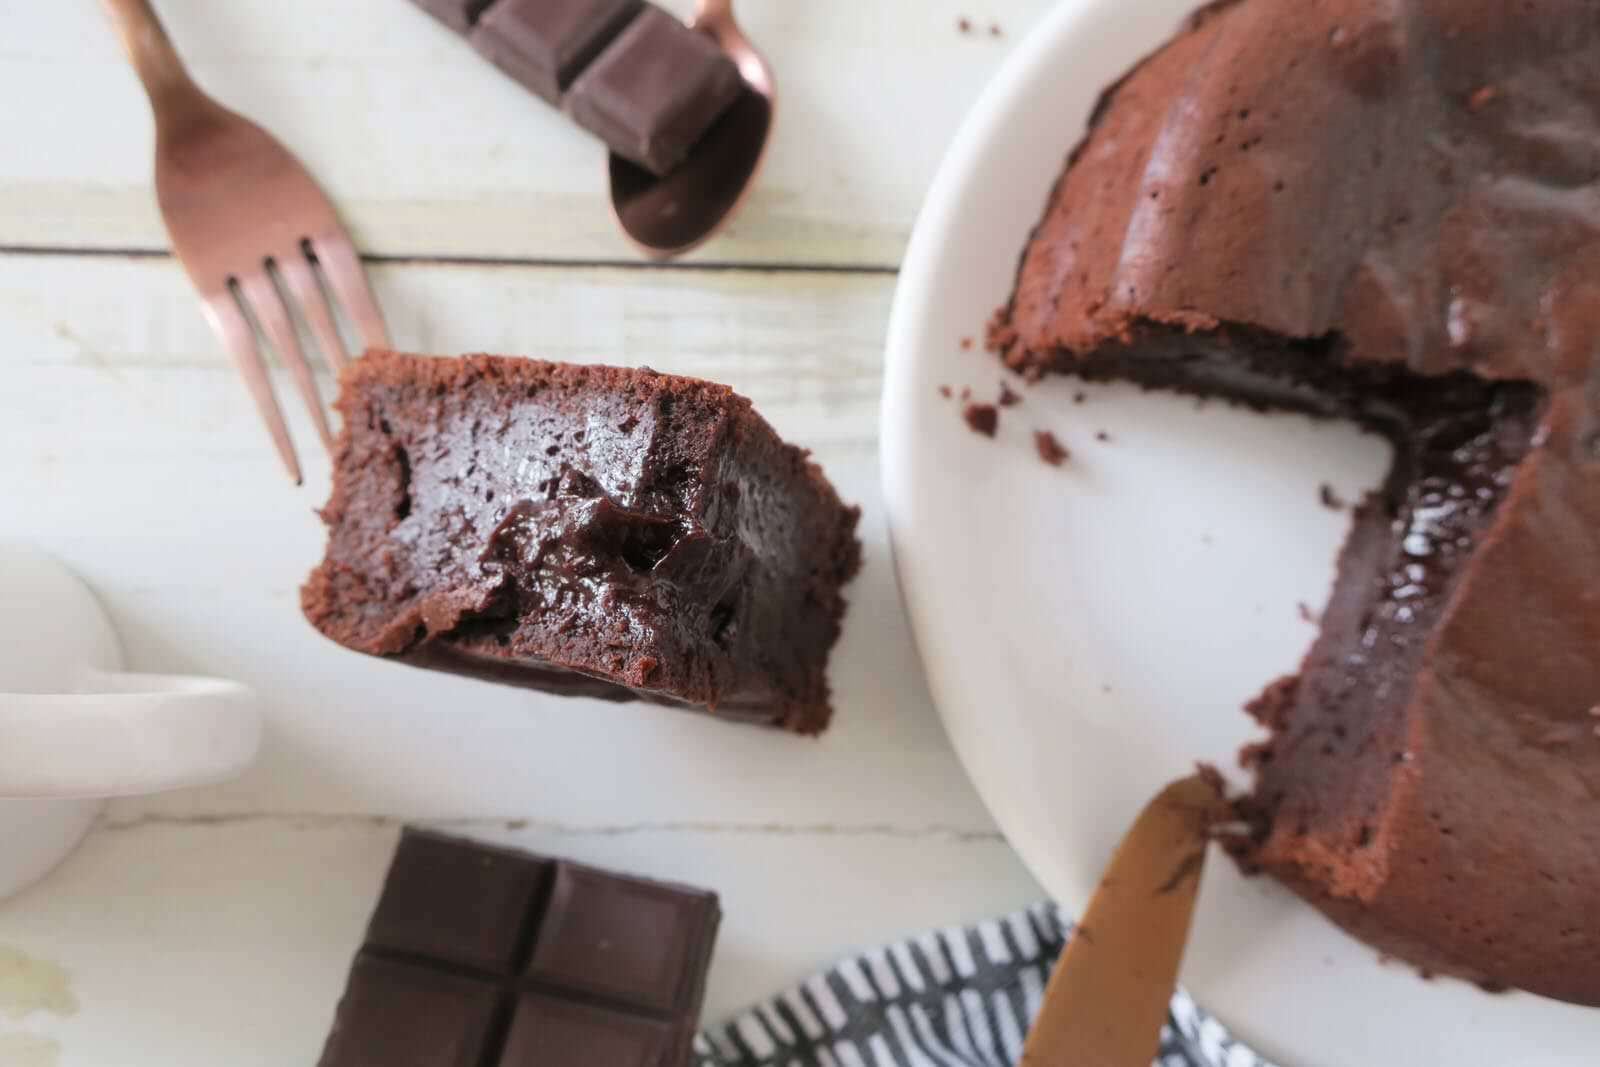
[982, 418]
[946, 392]
[966, 344]
[1008, 398]
[1330, 499]
[1051, 450]
[1101, 435]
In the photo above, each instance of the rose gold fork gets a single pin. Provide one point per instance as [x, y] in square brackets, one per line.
[246, 219]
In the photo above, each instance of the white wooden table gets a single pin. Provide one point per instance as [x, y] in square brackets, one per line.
[216, 927]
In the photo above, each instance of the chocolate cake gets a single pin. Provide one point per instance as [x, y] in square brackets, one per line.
[1387, 212]
[588, 530]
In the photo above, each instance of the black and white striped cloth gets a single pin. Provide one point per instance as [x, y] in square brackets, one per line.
[951, 998]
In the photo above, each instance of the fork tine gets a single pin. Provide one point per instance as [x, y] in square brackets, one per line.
[240, 340]
[348, 280]
[297, 273]
[262, 298]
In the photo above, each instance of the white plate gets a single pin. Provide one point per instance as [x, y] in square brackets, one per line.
[1089, 632]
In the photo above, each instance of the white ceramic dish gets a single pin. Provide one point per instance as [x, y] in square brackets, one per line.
[1089, 632]
[75, 728]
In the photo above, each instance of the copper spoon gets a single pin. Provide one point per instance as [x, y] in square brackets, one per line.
[1108, 998]
[668, 216]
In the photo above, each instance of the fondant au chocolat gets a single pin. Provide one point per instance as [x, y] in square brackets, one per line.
[592, 530]
[1387, 212]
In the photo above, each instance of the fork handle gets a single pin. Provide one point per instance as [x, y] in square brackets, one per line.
[150, 49]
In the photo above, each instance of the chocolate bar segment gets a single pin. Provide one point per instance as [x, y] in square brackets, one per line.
[656, 91]
[459, 905]
[550, 1032]
[545, 44]
[459, 15]
[399, 1014]
[487, 957]
[626, 940]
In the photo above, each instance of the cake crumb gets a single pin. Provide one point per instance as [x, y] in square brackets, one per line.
[995, 30]
[1054, 452]
[1306, 614]
[966, 392]
[1483, 97]
[1078, 398]
[1008, 397]
[982, 418]
[966, 344]
[1101, 435]
[964, 24]
[1330, 499]
[1105, 689]
[946, 392]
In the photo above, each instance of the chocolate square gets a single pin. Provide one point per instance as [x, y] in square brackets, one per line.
[619, 938]
[458, 902]
[397, 1014]
[548, 1032]
[655, 91]
[545, 44]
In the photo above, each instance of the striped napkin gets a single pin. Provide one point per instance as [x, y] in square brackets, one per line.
[954, 998]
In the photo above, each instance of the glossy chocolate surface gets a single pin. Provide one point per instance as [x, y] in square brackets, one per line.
[592, 530]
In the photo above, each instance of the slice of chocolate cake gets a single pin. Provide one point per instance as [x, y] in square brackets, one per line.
[588, 530]
[1389, 213]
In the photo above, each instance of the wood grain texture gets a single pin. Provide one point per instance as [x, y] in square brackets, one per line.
[134, 445]
[430, 152]
[216, 925]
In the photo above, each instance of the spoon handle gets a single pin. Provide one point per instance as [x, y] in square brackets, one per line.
[1108, 997]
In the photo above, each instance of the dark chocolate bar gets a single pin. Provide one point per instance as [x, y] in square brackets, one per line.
[650, 87]
[487, 957]
[459, 15]
[544, 44]
[654, 93]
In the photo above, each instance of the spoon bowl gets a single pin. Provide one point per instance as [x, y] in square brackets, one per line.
[666, 217]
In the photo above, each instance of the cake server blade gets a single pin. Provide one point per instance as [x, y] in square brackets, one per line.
[1108, 998]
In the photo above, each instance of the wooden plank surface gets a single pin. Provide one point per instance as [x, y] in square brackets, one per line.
[132, 452]
[430, 152]
[214, 926]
